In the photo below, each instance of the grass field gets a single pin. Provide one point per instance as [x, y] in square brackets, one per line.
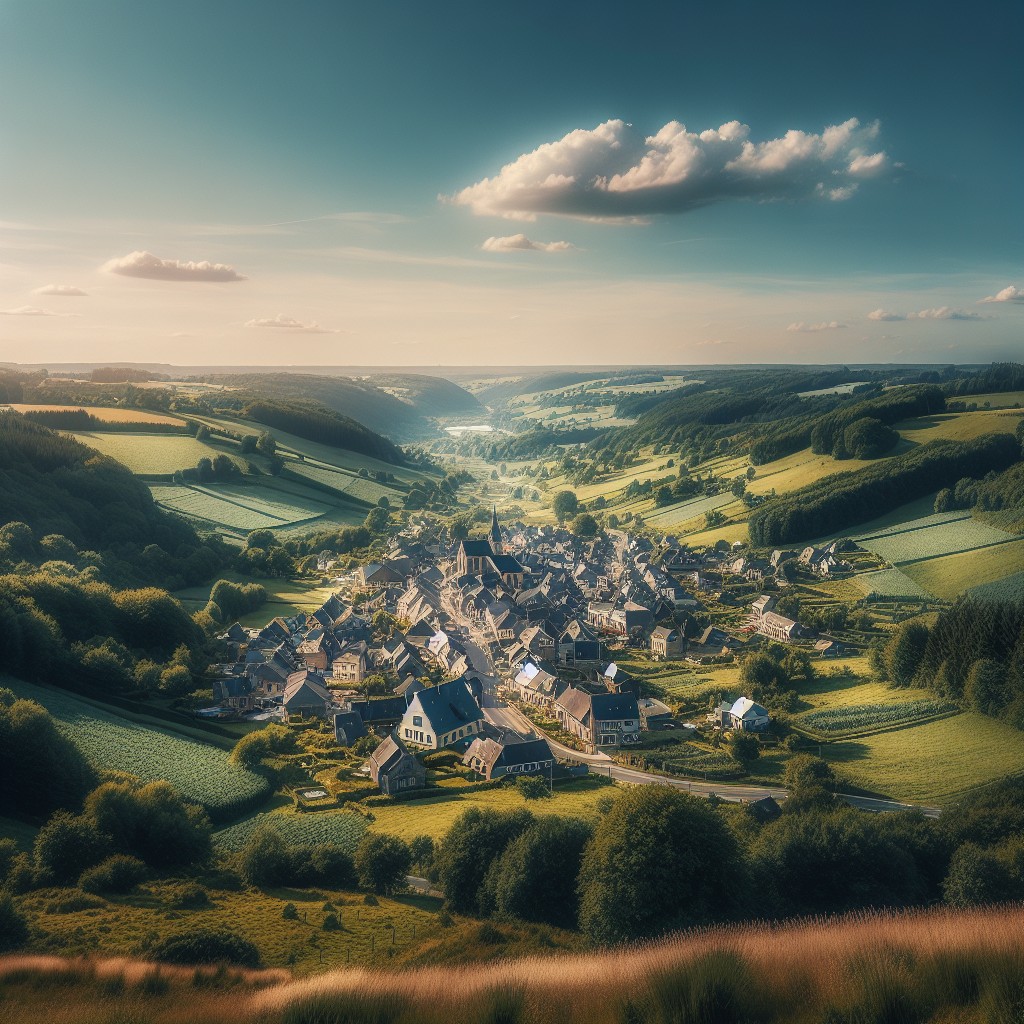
[200, 771]
[730, 532]
[1009, 589]
[345, 483]
[102, 413]
[153, 454]
[915, 543]
[434, 815]
[685, 511]
[932, 763]
[124, 925]
[959, 426]
[971, 570]
[800, 470]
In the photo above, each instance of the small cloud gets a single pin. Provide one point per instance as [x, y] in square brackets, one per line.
[32, 311]
[520, 243]
[944, 313]
[287, 323]
[825, 325]
[886, 315]
[65, 290]
[1010, 293]
[146, 265]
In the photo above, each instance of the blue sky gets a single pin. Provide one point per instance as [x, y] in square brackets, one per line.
[244, 181]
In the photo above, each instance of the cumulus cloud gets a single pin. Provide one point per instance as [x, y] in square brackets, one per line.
[145, 264]
[287, 323]
[944, 313]
[65, 290]
[520, 243]
[1010, 293]
[31, 311]
[886, 314]
[612, 172]
[824, 325]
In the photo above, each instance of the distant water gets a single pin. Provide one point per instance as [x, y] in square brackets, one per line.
[476, 428]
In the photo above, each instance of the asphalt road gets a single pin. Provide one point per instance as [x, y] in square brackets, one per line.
[504, 716]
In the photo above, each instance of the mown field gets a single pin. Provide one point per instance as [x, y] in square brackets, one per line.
[1000, 567]
[200, 771]
[103, 413]
[153, 454]
[959, 426]
[931, 763]
[284, 597]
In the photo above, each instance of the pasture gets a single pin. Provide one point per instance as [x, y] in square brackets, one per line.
[934, 762]
[153, 454]
[959, 426]
[199, 771]
[122, 927]
[800, 470]
[284, 597]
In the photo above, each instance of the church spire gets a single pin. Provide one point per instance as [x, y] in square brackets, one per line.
[494, 535]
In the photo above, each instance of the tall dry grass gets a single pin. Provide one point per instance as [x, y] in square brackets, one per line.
[910, 968]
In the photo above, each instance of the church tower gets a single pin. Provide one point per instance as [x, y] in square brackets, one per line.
[494, 534]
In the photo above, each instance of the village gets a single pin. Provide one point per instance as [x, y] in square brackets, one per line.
[503, 651]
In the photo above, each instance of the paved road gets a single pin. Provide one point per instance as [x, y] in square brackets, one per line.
[504, 716]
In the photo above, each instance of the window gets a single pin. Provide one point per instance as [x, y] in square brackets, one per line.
[408, 734]
[417, 720]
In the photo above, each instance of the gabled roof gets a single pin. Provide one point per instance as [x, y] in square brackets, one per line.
[745, 708]
[447, 706]
[610, 707]
[306, 688]
[388, 755]
[508, 751]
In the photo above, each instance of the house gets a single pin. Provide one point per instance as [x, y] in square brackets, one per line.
[537, 686]
[394, 769]
[378, 576]
[666, 642]
[765, 810]
[599, 719]
[381, 713]
[826, 647]
[307, 694]
[653, 713]
[350, 665]
[509, 755]
[778, 627]
[439, 716]
[744, 715]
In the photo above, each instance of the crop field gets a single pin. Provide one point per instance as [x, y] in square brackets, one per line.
[1009, 589]
[152, 454]
[889, 583]
[934, 762]
[850, 717]
[348, 484]
[240, 507]
[338, 828]
[434, 815]
[199, 771]
[976, 571]
[102, 413]
[914, 544]
[917, 523]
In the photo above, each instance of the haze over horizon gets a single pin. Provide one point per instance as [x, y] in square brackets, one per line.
[334, 184]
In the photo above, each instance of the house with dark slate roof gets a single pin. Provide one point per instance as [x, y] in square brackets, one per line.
[306, 694]
[508, 755]
[441, 716]
[599, 719]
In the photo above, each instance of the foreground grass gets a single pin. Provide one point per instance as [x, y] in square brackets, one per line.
[914, 968]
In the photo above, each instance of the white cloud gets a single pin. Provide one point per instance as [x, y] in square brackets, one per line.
[1010, 293]
[824, 325]
[611, 172]
[287, 323]
[31, 311]
[886, 315]
[145, 264]
[520, 243]
[944, 313]
[66, 290]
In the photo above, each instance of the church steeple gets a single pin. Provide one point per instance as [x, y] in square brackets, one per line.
[494, 534]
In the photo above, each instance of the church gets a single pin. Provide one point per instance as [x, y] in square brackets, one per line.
[483, 557]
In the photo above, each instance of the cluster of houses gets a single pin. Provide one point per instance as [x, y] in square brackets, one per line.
[544, 604]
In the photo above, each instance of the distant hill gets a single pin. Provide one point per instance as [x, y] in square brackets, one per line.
[430, 396]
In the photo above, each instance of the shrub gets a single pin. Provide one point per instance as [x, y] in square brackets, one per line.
[205, 946]
[290, 912]
[382, 862]
[331, 923]
[116, 874]
[66, 846]
[13, 929]
[532, 787]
